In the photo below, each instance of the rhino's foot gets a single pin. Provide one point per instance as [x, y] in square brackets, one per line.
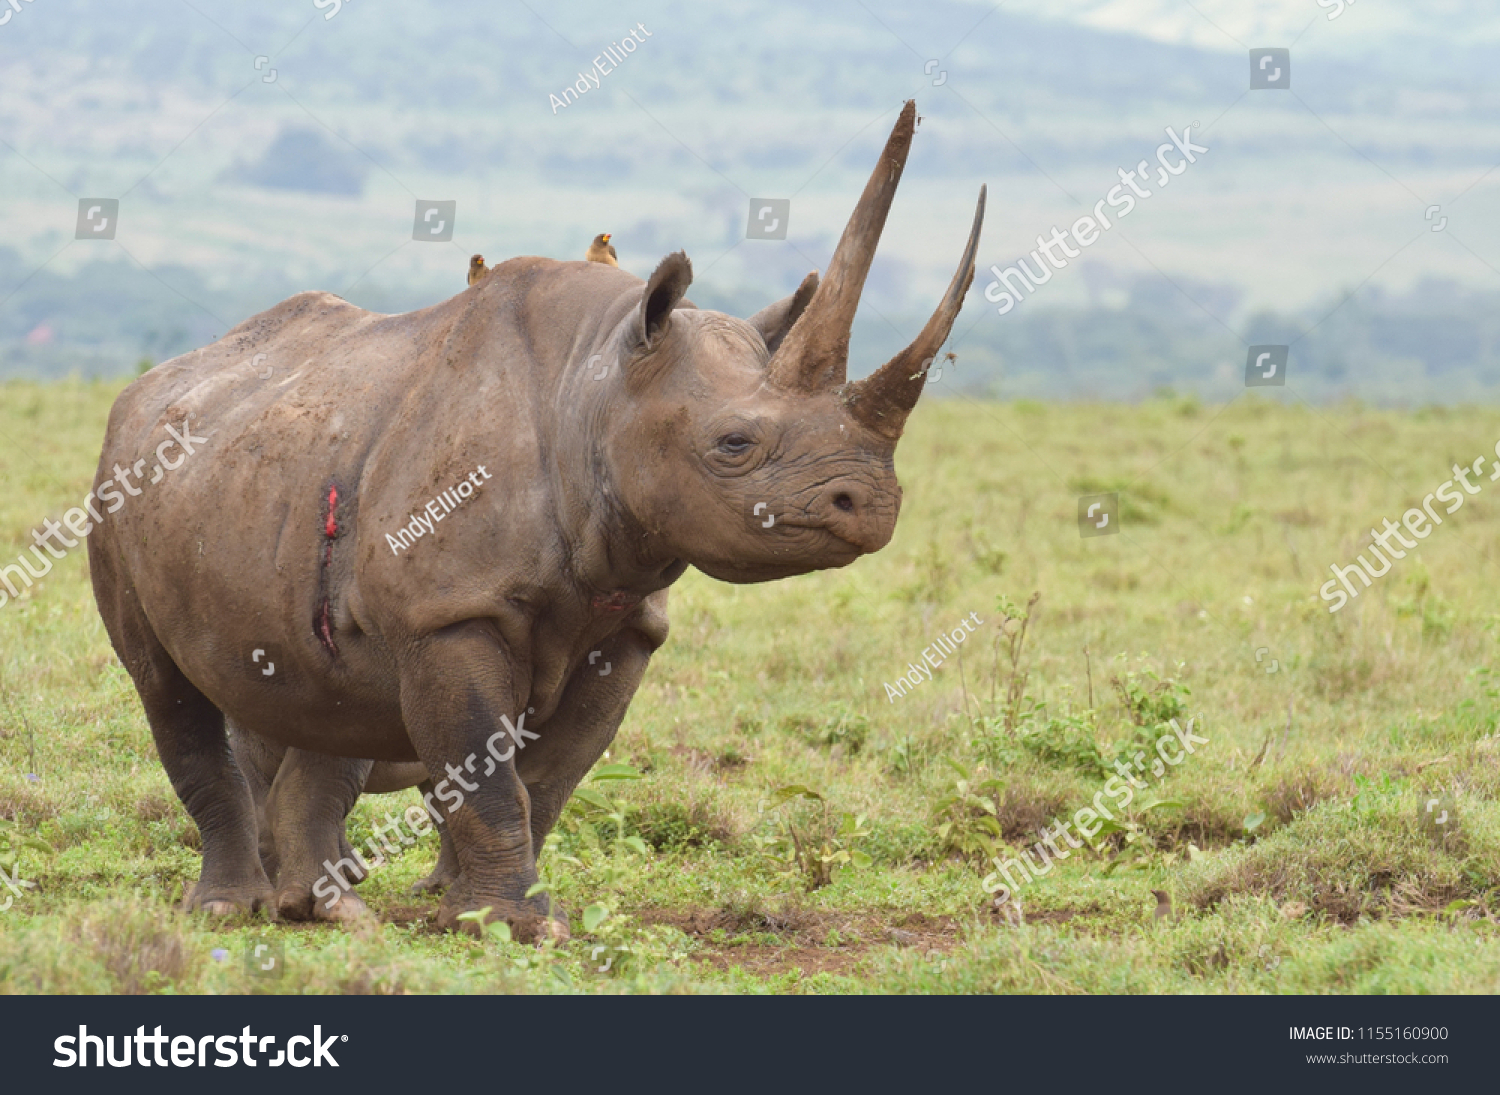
[527, 924]
[299, 903]
[220, 900]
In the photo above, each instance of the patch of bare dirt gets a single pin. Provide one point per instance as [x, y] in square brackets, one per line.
[807, 941]
[719, 764]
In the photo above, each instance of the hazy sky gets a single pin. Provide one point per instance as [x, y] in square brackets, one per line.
[1304, 195]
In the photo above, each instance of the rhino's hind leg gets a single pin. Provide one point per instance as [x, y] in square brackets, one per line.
[306, 807]
[189, 734]
[258, 760]
[190, 739]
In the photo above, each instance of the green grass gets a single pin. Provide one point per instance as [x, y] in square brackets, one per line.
[1295, 845]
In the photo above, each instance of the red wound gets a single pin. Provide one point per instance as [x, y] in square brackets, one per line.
[618, 601]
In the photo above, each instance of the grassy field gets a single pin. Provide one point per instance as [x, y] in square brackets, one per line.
[1296, 846]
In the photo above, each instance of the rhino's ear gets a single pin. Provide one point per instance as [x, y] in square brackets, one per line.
[664, 291]
[775, 320]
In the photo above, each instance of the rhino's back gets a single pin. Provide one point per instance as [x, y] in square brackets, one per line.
[238, 374]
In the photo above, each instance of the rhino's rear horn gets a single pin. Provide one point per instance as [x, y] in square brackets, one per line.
[883, 400]
[815, 354]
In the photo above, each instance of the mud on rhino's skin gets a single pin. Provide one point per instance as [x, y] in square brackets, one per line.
[626, 434]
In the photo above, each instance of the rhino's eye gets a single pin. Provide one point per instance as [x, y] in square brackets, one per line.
[734, 444]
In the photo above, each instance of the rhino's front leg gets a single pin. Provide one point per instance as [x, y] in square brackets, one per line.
[586, 721]
[455, 687]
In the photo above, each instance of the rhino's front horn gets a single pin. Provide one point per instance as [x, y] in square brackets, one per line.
[883, 399]
[815, 353]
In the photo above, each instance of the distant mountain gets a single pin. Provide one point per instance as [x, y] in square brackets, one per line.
[303, 159]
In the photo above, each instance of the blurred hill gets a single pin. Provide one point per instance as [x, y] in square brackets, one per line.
[258, 150]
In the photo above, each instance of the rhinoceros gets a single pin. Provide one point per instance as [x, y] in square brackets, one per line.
[401, 546]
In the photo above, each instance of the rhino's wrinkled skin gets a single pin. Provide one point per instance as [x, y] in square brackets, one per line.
[611, 435]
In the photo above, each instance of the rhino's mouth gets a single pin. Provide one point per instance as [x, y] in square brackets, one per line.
[749, 574]
[814, 525]
[829, 537]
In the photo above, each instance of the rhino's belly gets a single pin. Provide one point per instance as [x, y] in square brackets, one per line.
[353, 729]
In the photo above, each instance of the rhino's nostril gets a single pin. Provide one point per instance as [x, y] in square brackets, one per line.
[844, 502]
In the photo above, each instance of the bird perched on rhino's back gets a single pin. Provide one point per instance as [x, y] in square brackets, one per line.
[477, 268]
[439, 522]
[601, 250]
